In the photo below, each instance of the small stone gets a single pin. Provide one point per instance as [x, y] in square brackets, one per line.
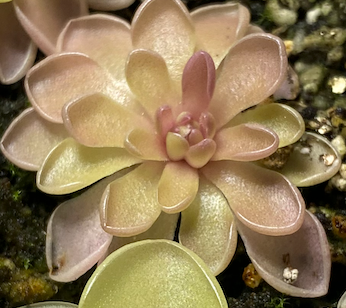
[326, 8]
[298, 42]
[313, 124]
[251, 277]
[339, 226]
[339, 143]
[320, 102]
[289, 46]
[281, 15]
[338, 182]
[305, 150]
[290, 275]
[337, 116]
[335, 54]
[338, 84]
[312, 15]
[324, 129]
[278, 159]
[343, 171]
[323, 117]
[311, 78]
[328, 159]
[301, 66]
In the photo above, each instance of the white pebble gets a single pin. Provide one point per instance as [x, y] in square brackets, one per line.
[290, 275]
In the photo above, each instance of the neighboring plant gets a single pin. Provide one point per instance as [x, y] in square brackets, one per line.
[342, 301]
[25, 24]
[157, 107]
[21, 22]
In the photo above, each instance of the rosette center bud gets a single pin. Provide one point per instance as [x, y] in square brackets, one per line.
[187, 138]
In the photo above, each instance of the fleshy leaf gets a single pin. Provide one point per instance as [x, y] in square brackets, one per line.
[148, 77]
[342, 301]
[163, 228]
[109, 5]
[313, 160]
[251, 29]
[98, 121]
[306, 250]
[261, 199]
[160, 273]
[75, 239]
[178, 187]
[207, 125]
[245, 142]
[76, 74]
[176, 146]
[198, 83]
[164, 120]
[200, 153]
[44, 20]
[252, 70]
[219, 26]
[285, 121]
[176, 43]
[105, 39]
[129, 205]
[51, 305]
[29, 139]
[17, 52]
[71, 166]
[289, 88]
[146, 145]
[208, 228]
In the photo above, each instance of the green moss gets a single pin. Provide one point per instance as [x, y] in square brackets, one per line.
[278, 302]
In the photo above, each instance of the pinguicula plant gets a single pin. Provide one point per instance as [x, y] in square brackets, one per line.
[158, 113]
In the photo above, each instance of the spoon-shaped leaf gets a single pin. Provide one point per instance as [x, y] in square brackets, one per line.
[342, 301]
[286, 122]
[306, 250]
[51, 305]
[313, 160]
[152, 273]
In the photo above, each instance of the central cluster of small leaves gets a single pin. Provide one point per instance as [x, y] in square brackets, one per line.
[187, 138]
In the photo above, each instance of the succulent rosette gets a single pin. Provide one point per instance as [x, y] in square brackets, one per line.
[152, 109]
[27, 24]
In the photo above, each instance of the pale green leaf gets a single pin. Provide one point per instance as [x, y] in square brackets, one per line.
[152, 273]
